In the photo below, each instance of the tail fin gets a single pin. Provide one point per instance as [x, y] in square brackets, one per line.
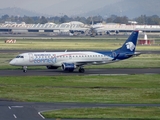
[130, 44]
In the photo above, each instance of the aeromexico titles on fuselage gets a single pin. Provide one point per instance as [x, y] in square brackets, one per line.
[69, 61]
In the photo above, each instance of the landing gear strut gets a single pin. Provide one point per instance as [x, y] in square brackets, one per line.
[24, 69]
[81, 70]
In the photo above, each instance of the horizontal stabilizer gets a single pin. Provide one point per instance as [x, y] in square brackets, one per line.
[134, 54]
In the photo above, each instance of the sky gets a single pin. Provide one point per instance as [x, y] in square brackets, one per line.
[56, 7]
[34, 5]
[130, 8]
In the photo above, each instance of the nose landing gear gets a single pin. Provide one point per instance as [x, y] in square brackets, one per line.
[24, 69]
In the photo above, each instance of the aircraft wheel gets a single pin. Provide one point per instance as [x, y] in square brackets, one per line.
[81, 70]
[24, 69]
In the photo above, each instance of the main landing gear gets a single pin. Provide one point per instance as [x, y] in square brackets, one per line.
[81, 70]
[24, 69]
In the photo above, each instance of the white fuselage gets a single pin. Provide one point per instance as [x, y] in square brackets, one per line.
[58, 58]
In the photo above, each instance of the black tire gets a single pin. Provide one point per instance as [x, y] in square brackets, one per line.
[81, 70]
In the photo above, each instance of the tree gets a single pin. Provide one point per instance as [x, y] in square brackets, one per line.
[122, 20]
[5, 17]
[149, 20]
[43, 20]
[62, 19]
[28, 20]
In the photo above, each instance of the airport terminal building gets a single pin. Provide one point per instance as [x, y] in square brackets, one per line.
[48, 28]
[71, 28]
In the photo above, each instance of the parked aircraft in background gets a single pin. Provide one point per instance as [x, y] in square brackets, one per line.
[113, 28]
[69, 61]
[94, 29]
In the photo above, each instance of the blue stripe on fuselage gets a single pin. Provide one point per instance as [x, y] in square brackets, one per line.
[107, 53]
[114, 55]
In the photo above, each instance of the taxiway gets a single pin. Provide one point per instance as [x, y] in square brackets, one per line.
[87, 72]
[10, 110]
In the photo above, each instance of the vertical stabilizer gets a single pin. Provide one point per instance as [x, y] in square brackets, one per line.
[130, 44]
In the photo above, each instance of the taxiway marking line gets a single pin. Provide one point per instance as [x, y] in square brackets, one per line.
[41, 115]
[15, 116]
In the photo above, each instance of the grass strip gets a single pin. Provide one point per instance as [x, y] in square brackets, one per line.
[106, 113]
[73, 44]
[93, 89]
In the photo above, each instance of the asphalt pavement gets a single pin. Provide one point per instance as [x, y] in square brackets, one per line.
[10, 110]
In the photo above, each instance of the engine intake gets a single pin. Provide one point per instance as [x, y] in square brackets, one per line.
[68, 67]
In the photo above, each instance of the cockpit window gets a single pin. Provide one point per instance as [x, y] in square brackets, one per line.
[20, 57]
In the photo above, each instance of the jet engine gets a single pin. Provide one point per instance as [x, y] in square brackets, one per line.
[108, 33]
[68, 67]
[117, 31]
[51, 67]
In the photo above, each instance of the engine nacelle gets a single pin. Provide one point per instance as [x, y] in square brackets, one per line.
[71, 31]
[51, 67]
[117, 31]
[108, 33]
[68, 67]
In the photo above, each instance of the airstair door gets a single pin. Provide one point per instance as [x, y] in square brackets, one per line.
[31, 58]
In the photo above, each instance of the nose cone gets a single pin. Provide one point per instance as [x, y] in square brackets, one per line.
[12, 62]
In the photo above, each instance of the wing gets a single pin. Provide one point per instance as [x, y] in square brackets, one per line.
[84, 63]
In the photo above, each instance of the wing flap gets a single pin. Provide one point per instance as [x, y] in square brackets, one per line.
[83, 63]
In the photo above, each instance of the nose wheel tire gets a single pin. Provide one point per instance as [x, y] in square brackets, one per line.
[24, 69]
[81, 70]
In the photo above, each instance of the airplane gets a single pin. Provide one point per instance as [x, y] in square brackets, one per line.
[69, 61]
